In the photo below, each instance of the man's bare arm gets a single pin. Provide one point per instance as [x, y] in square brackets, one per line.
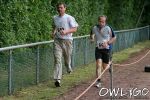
[112, 40]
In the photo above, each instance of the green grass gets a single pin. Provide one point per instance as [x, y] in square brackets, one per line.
[124, 54]
[47, 90]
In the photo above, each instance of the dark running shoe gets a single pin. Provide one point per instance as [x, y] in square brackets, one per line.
[69, 72]
[57, 83]
[98, 83]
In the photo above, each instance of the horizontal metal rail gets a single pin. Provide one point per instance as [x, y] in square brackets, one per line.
[132, 29]
[47, 42]
[25, 45]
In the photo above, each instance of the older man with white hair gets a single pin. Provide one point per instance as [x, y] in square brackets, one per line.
[104, 37]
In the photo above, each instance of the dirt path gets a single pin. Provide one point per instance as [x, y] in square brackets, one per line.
[131, 82]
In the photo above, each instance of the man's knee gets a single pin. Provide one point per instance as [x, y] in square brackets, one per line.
[99, 62]
[57, 59]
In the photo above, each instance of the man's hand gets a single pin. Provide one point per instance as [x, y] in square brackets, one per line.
[92, 38]
[53, 35]
[68, 31]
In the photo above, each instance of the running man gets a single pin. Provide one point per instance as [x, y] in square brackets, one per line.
[63, 28]
[104, 37]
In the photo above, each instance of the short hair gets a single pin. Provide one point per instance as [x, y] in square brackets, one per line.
[61, 4]
[102, 16]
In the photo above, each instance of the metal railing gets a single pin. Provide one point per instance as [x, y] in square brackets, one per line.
[29, 64]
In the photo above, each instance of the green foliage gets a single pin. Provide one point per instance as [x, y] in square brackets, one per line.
[124, 14]
[26, 21]
[145, 15]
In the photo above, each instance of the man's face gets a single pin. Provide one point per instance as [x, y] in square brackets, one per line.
[102, 21]
[61, 9]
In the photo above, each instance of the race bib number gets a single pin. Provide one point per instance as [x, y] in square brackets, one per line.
[60, 29]
[58, 33]
[100, 45]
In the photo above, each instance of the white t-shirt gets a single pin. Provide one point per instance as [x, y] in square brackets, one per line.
[102, 35]
[63, 23]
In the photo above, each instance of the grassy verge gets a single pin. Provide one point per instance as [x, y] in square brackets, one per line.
[47, 90]
[124, 54]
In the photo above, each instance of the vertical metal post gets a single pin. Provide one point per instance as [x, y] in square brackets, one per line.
[10, 73]
[111, 79]
[73, 54]
[85, 51]
[149, 31]
[37, 64]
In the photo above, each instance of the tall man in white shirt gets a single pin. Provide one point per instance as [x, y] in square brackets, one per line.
[63, 27]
